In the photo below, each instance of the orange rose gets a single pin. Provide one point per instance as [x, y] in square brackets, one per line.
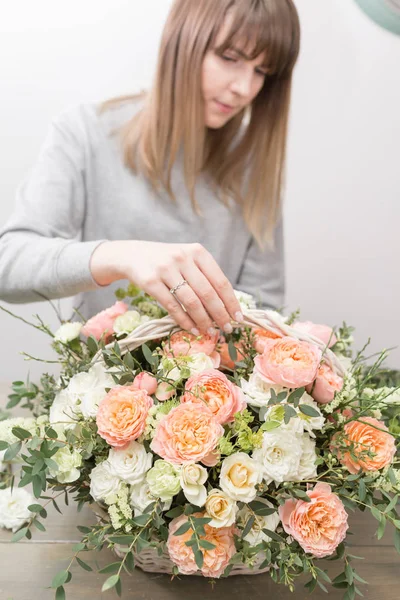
[325, 386]
[365, 437]
[261, 337]
[187, 434]
[215, 390]
[122, 415]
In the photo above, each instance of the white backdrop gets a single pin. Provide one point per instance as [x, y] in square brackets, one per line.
[343, 183]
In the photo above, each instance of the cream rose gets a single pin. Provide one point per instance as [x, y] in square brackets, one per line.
[131, 463]
[239, 476]
[220, 508]
[192, 480]
[279, 455]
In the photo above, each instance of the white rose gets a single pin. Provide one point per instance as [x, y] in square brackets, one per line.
[14, 507]
[239, 476]
[302, 422]
[130, 464]
[90, 388]
[192, 479]
[307, 466]
[279, 455]
[6, 427]
[68, 332]
[104, 485]
[127, 322]
[221, 508]
[256, 534]
[64, 410]
[257, 392]
[199, 362]
[68, 462]
[141, 497]
[310, 423]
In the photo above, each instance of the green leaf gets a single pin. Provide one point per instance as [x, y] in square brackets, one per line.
[199, 558]
[19, 534]
[141, 520]
[375, 513]
[381, 528]
[83, 529]
[130, 562]
[362, 490]
[20, 433]
[39, 525]
[248, 526]
[82, 564]
[349, 573]
[289, 413]
[3, 446]
[60, 593]
[37, 486]
[183, 529]
[308, 410]
[50, 433]
[350, 594]
[37, 467]
[111, 568]
[206, 545]
[125, 540]
[35, 508]
[92, 345]
[274, 536]
[110, 583]
[392, 504]
[295, 396]
[60, 579]
[232, 351]
[128, 361]
[12, 451]
[14, 400]
[397, 540]
[148, 354]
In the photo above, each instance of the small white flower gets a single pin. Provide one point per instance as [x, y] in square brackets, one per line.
[279, 455]
[192, 479]
[257, 392]
[246, 301]
[127, 322]
[68, 460]
[104, 485]
[131, 463]
[141, 497]
[239, 476]
[256, 535]
[199, 362]
[302, 422]
[6, 426]
[88, 389]
[14, 507]
[68, 332]
[220, 508]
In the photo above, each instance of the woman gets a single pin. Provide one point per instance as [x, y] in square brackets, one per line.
[177, 190]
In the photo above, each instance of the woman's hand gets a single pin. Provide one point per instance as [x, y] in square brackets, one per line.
[207, 297]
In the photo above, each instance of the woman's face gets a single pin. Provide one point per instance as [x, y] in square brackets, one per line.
[229, 83]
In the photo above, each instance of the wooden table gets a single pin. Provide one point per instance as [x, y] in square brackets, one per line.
[27, 567]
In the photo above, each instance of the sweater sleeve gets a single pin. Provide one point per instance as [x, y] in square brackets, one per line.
[263, 272]
[40, 249]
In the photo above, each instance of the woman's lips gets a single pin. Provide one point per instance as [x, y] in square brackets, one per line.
[225, 108]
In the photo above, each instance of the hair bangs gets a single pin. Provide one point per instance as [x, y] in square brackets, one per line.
[264, 26]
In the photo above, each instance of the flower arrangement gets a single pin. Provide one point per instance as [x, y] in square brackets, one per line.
[209, 455]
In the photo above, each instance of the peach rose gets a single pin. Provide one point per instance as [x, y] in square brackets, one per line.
[215, 560]
[212, 459]
[223, 349]
[364, 437]
[288, 362]
[326, 384]
[319, 526]
[165, 391]
[187, 434]
[145, 381]
[102, 323]
[122, 415]
[222, 397]
[183, 343]
[261, 337]
[322, 332]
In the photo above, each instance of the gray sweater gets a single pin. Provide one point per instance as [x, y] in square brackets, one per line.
[79, 193]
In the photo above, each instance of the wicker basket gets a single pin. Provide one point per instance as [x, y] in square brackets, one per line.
[148, 559]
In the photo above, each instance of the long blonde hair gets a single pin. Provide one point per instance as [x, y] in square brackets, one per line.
[242, 162]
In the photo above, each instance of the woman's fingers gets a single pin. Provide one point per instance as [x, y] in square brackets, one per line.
[161, 293]
[187, 296]
[218, 280]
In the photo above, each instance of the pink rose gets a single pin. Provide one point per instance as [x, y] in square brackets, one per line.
[102, 323]
[288, 362]
[326, 384]
[261, 336]
[165, 391]
[322, 332]
[183, 343]
[187, 434]
[215, 560]
[215, 390]
[319, 526]
[212, 459]
[145, 381]
[122, 415]
[363, 437]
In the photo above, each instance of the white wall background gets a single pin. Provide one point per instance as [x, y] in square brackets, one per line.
[343, 193]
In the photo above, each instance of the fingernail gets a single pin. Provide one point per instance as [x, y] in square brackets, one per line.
[239, 317]
[195, 332]
[212, 331]
[228, 328]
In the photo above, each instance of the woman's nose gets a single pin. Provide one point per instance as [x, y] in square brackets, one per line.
[242, 84]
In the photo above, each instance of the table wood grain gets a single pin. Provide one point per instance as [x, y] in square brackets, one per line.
[27, 567]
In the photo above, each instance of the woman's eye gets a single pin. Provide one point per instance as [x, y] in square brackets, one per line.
[229, 58]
